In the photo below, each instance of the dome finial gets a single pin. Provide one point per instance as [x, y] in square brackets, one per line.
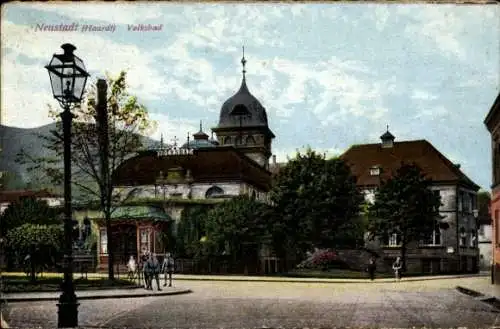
[161, 140]
[243, 62]
[387, 127]
[201, 126]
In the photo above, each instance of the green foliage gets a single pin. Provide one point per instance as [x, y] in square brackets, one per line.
[235, 224]
[483, 203]
[45, 237]
[190, 230]
[405, 205]
[316, 201]
[28, 211]
[127, 119]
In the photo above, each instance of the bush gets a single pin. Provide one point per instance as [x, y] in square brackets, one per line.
[45, 241]
[323, 259]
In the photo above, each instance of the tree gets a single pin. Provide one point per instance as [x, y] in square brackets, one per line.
[237, 226]
[406, 206]
[190, 230]
[317, 203]
[127, 120]
[483, 204]
[31, 225]
[28, 211]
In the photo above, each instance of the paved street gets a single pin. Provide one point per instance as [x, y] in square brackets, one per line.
[273, 304]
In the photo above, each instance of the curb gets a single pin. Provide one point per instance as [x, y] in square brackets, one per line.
[145, 294]
[319, 280]
[492, 301]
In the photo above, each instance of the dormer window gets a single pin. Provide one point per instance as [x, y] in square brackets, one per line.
[375, 171]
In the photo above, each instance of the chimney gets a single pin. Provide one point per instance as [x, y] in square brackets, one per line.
[274, 159]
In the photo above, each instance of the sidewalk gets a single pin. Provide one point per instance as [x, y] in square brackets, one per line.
[242, 278]
[482, 290]
[94, 294]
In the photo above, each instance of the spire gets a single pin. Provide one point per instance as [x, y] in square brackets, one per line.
[244, 87]
[161, 141]
[188, 141]
[243, 62]
[201, 126]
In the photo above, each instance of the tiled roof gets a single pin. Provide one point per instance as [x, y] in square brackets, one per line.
[437, 167]
[16, 195]
[207, 164]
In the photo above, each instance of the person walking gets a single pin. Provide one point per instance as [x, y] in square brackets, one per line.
[146, 269]
[168, 269]
[131, 267]
[396, 266]
[154, 271]
[372, 266]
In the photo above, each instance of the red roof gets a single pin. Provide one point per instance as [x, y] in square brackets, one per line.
[434, 164]
[206, 165]
[16, 195]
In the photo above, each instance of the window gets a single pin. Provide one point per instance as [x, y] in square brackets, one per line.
[463, 237]
[103, 241]
[250, 140]
[460, 201]
[374, 171]
[214, 192]
[394, 240]
[434, 239]
[144, 240]
[473, 238]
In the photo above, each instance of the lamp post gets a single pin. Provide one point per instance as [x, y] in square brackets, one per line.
[68, 78]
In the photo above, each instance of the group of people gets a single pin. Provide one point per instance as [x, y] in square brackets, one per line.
[151, 269]
[396, 267]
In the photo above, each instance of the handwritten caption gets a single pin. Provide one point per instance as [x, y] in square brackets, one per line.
[77, 27]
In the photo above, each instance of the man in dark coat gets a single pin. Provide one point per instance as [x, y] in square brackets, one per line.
[153, 267]
[372, 266]
[146, 270]
[168, 268]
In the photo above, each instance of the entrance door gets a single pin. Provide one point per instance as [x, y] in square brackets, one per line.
[125, 238]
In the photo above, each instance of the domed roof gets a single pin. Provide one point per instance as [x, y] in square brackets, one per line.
[242, 104]
[198, 143]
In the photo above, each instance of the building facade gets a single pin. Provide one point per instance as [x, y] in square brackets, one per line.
[492, 122]
[161, 182]
[453, 246]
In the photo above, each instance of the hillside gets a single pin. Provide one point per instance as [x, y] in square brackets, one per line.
[13, 139]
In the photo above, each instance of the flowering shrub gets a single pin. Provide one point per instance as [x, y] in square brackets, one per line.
[322, 259]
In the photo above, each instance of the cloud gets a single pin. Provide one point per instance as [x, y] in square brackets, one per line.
[423, 95]
[117, 13]
[23, 79]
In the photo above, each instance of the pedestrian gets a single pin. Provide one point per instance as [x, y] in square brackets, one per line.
[154, 267]
[396, 266]
[131, 267]
[168, 269]
[146, 270]
[372, 266]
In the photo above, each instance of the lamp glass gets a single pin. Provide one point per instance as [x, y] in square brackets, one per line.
[67, 78]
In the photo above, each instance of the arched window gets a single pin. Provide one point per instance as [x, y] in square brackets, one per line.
[214, 192]
[227, 140]
[136, 192]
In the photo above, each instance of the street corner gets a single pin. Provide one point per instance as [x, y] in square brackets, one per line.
[97, 294]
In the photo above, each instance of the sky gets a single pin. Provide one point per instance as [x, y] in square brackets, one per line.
[329, 75]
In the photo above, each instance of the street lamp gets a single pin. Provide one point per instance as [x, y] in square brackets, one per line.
[67, 78]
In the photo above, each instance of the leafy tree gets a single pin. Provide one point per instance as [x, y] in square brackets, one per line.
[236, 226]
[190, 230]
[127, 119]
[483, 203]
[42, 242]
[28, 211]
[405, 205]
[316, 203]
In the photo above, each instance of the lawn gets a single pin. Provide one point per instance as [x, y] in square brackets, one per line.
[15, 282]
